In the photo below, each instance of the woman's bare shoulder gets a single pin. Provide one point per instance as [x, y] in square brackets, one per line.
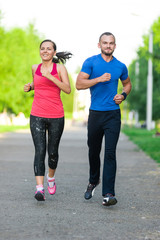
[34, 67]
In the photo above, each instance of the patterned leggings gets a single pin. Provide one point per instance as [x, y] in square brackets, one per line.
[39, 126]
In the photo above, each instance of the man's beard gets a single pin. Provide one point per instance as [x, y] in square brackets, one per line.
[107, 54]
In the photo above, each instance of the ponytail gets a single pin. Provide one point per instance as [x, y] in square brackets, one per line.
[60, 56]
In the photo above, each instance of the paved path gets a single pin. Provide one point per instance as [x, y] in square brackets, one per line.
[67, 215]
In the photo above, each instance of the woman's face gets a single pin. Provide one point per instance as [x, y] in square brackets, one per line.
[47, 51]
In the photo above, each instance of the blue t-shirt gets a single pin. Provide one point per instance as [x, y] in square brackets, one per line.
[102, 93]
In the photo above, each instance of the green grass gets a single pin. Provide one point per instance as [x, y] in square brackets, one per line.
[68, 115]
[146, 140]
[5, 128]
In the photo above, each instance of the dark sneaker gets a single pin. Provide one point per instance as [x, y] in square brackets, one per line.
[109, 200]
[40, 195]
[90, 191]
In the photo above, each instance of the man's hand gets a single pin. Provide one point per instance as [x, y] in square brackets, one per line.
[105, 77]
[118, 98]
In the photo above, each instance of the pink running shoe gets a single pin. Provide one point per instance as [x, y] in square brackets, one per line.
[51, 190]
[40, 195]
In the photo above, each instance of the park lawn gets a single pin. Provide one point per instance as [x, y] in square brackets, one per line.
[145, 140]
[5, 128]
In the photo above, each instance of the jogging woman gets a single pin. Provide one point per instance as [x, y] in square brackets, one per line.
[47, 114]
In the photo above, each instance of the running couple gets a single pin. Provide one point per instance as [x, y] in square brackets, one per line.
[100, 73]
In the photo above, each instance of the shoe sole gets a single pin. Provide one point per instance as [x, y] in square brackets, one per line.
[110, 202]
[39, 197]
[53, 192]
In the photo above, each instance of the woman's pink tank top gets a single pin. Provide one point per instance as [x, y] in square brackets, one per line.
[47, 102]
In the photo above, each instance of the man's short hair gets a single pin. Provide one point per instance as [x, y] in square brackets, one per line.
[107, 34]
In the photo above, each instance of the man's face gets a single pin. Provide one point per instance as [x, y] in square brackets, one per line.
[107, 45]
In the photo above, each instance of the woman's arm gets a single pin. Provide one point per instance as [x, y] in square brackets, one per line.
[64, 85]
[30, 86]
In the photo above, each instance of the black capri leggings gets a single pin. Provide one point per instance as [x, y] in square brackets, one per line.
[39, 126]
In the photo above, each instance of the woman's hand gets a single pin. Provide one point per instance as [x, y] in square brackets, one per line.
[45, 73]
[64, 83]
[27, 87]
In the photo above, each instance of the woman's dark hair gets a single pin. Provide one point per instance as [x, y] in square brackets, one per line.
[60, 56]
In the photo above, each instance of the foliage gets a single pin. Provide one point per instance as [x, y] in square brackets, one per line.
[137, 99]
[78, 70]
[6, 128]
[146, 140]
[18, 51]
[68, 99]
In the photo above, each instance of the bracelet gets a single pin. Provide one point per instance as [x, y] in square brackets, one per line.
[124, 94]
[30, 89]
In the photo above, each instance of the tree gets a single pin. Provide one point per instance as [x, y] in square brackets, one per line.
[18, 51]
[137, 98]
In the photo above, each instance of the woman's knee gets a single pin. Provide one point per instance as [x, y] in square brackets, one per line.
[53, 161]
[39, 168]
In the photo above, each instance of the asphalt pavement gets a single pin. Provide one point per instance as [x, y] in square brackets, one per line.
[67, 215]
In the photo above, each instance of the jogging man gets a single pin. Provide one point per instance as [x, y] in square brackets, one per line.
[101, 73]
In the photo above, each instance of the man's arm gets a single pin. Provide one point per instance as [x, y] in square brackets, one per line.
[127, 86]
[83, 81]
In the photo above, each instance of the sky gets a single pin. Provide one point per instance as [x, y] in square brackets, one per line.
[75, 25]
